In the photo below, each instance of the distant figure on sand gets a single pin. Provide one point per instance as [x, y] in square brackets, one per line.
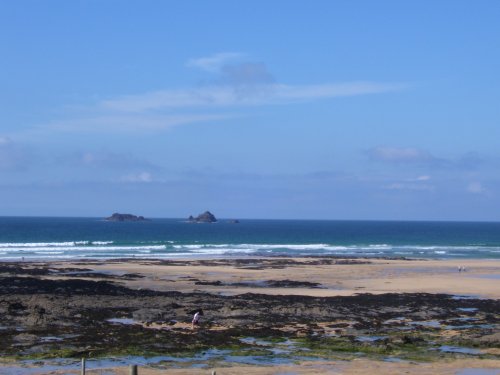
[196, 318]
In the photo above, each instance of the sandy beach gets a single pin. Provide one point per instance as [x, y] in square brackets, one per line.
[335, 277]
[354, 367]
[320, 314]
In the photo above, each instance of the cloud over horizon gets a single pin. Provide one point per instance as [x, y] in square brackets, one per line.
[400, 155]
[408, 156]
[106, 160]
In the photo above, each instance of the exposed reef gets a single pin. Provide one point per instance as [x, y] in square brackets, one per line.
[71, 317]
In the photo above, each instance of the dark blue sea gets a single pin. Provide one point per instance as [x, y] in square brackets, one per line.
[73, 238]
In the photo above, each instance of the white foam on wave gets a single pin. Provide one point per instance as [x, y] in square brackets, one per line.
[289, 246]
[41, 244]
[369, 248]
[85, 248]
[256, 247]
[39, 257]
[380, 246]
[447, 248]
[223, 251]
[53, 244]
[188, 246]
[169, 249]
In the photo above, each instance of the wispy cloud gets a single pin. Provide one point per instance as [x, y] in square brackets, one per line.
[398, 182]
[214, 62]
[234, 84]
[422, 178]
[409, 186]
[475, 188]
[400, 155]
[411, 156]
[106, 160]
[141, 177]
[230, 95]
[119, 122]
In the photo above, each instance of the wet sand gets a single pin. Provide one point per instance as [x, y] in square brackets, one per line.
[340, 278]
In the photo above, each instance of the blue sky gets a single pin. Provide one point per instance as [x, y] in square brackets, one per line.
[261, 109]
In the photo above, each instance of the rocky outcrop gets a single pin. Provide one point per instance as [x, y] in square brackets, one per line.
[125, 217]
[206, 217]
[32, 308]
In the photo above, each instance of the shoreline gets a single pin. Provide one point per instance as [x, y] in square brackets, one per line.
[328, 309]
[237, 256]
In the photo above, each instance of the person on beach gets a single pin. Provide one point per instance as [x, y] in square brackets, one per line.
[196, 318]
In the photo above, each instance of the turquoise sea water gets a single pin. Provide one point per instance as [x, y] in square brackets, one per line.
[70, 238]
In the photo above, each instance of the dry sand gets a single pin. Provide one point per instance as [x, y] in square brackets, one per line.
[354, 367]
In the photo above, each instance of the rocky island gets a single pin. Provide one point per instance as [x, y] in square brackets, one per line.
[125, 217]
[206, 217]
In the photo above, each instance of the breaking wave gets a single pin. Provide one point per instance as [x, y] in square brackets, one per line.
[172, 249]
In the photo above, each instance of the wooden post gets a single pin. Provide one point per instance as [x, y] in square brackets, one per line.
[83, 366]
[133, 369]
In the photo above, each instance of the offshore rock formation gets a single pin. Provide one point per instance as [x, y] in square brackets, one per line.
[206, 217]
[125, 217]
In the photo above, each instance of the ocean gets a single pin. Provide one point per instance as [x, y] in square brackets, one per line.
[40, 238]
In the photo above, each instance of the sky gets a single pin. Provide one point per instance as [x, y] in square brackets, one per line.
[355, 110]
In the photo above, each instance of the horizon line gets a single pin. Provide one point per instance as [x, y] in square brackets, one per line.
[151, 218]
